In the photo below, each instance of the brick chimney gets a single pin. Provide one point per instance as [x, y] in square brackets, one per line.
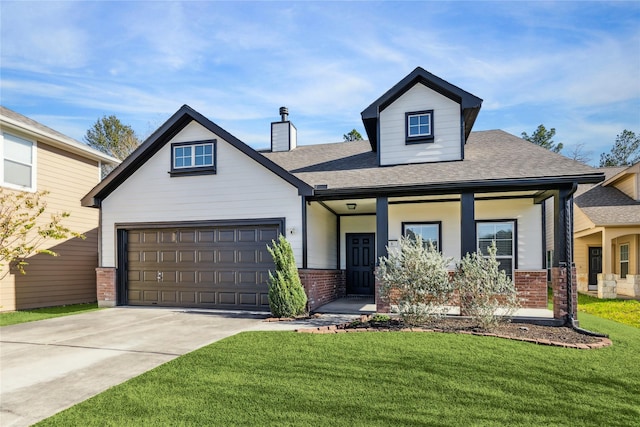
[283, 133]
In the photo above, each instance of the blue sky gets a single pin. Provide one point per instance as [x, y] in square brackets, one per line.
[574, 66]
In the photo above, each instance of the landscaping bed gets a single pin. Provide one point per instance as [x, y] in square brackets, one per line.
[548, 335]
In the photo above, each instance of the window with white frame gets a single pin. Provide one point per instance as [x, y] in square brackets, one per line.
[624, 260]
[193, 158]
[18, 162]
[428, 231]
[419, 126]
[503, 234]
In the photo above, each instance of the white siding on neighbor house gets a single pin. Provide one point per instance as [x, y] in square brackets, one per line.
[446, 129]
[241, 189]
[529, 226]
[354, 224]
[448, 213]
[321, 237]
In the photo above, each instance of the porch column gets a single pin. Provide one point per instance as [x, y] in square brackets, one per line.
[382, 227]
[382, 239]
[565, 296]
[467, 224]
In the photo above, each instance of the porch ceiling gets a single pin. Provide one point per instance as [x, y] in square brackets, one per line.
[368, 206]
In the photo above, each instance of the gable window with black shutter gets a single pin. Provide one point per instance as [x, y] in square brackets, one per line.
[193, 158]
[419, 127]
[503, 233]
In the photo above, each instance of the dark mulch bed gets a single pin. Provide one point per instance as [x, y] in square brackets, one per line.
[550, 335]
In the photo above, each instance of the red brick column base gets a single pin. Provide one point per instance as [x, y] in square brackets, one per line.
[559, 286]
[323, 286]
[106, 286]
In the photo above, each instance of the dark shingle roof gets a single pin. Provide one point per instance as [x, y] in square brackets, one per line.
[489, 155]
[606, 205]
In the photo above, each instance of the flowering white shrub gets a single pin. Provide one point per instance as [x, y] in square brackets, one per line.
[416, 279]
[487, 295]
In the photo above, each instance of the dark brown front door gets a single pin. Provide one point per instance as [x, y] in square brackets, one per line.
[595, 267]
[361, 262]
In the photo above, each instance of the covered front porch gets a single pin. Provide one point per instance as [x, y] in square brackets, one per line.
[345, 237]
[607, 261]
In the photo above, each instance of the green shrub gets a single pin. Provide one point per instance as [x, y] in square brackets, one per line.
[416, 279]
[286, 294]
[487, 295]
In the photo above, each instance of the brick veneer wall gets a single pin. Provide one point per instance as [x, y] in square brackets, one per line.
[531, 287]
[106, 286]
[323, 286]
[559, 286]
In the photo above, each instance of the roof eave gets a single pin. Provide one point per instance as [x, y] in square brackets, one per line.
[478, 186]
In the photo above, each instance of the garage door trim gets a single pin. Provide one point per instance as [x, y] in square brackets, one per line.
[121, 238]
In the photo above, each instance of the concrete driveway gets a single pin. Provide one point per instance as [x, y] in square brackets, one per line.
[50, 365]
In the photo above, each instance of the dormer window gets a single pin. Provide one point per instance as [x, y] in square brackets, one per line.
[419, 127]
[193, 158]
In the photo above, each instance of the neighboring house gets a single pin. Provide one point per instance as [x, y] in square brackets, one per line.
[35, 158]
[186, 218]
[607, 234]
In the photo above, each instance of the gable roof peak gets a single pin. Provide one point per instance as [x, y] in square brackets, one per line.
[469, 103]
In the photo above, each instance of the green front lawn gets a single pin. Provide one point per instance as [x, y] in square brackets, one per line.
[619, 310]
[15, 317]
[380, 379]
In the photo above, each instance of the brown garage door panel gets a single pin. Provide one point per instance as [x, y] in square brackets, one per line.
[200, 267]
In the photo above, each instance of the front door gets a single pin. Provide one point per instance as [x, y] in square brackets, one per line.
[595, 267]
[361, 261]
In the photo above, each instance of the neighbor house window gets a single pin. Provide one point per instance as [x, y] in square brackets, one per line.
[502, 233]
[419, 127]
[193, 158]
[18, 162]
[428, 231]
[624, 261]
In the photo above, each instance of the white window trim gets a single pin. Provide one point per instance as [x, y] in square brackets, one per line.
[623, 261]
[514, 254]
[34, 163]
[193, 156]
[436, 224]
[419, 135]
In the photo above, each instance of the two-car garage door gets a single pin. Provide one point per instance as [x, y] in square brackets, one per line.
[210, 266]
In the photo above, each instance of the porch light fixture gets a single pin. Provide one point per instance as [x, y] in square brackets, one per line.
[351, 206]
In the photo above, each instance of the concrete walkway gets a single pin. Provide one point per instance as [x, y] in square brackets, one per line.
[50, 365]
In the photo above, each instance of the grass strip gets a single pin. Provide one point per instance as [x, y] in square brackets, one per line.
[22, 316]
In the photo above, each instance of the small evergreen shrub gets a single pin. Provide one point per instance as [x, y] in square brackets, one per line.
[416, 279]
[286, 294]
[487, 295]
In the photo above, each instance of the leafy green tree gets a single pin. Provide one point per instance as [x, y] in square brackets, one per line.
[109, 135]
[354, 135]
[625, 151]
[544, 138]
[286, 294]
[23, 231]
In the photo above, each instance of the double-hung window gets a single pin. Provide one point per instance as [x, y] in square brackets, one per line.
[503, 234]
[428, 231]
[193, 158]
[624, 260]
[18, 162]
[419, 127]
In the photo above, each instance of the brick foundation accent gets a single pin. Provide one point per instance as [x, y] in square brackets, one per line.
[559, 286]
[106, 286]
[532, 288]
[323, 286]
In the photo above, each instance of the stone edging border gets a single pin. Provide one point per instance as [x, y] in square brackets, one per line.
[339, 329]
